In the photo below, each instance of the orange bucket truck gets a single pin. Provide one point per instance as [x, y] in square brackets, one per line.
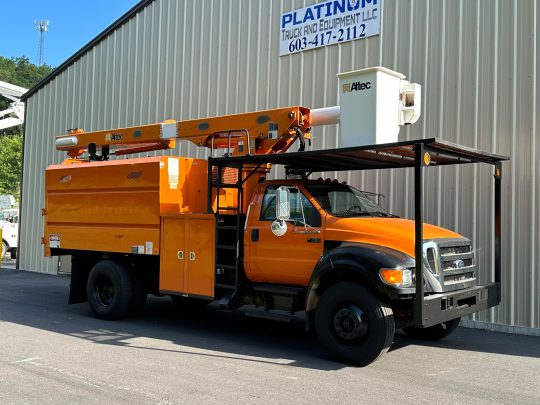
[217, 230]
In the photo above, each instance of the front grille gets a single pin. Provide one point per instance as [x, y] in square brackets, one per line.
[451, 265]
[454, 267]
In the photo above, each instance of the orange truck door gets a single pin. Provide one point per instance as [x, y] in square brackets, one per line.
[173, 255]
[288, 259]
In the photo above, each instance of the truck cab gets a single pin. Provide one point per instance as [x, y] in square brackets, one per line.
[326, 216]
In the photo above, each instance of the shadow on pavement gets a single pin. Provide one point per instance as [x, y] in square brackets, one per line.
[40, 301]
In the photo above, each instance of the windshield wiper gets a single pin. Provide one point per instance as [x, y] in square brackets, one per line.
[383, 214]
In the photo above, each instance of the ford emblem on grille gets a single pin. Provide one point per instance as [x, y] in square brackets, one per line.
[459, 264]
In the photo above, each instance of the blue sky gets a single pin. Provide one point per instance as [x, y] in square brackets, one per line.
[72, 24]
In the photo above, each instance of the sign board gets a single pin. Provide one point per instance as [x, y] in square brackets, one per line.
[6, 201]
[328, 23]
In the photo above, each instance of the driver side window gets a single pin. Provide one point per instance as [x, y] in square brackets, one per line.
[298, 202]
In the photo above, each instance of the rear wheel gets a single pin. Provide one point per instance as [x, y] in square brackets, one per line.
[353, 325]
[113, 292]
[434, 332]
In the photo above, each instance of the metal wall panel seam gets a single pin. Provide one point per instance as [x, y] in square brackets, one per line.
[210, 77]
[200, 47]
[173, 50]
[533, 231]
[37, 188]
[143, 80]
[134, 100]
[513, 165]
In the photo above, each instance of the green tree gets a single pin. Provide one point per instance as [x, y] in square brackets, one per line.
[10, 163]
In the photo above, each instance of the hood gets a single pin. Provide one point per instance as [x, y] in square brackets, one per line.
[395, 233]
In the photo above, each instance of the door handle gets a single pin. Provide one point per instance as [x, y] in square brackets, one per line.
[191, 255]
[180, 255]
[254, 235]
[314, 240]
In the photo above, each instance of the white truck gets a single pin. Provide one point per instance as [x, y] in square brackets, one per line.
[9, 223]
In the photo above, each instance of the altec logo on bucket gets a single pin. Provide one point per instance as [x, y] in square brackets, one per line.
[356, 86]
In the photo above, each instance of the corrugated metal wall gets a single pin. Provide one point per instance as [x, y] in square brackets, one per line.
[477, 62]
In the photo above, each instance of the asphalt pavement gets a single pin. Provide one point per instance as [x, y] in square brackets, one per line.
[55, 353]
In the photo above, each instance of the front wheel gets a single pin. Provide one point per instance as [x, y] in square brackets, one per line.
[435, 332]
[353, 325]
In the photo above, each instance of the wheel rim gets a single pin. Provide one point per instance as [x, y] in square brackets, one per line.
[103, 291]
[350, 324]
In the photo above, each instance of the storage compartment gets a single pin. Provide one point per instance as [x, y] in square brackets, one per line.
[115, 206]
[187, 255]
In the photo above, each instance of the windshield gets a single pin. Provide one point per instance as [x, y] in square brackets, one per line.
[341, 200]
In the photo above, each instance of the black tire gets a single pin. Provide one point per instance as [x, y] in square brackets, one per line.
[435, 332]
[3, 253]
[353, 325]
[110, 290]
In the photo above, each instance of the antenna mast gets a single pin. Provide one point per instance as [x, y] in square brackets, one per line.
[42, 26]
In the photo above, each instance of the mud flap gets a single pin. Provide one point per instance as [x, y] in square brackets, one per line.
[80, 269]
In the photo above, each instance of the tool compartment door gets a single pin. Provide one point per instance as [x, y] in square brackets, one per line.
[200, 256]
[173, 255]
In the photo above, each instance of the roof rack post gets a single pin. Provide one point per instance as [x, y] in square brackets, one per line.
[418, 234]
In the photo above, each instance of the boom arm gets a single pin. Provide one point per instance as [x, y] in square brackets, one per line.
[14, 115]
[260, 132]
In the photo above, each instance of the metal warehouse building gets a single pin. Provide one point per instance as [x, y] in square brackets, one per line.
[477, 62]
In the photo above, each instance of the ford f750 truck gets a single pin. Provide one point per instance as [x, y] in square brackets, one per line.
[219, 230]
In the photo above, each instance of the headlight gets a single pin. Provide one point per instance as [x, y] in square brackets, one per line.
[397, 277]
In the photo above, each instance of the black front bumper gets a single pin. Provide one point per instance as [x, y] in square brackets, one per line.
[443, 307]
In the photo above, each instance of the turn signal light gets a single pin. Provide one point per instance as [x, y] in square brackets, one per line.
[397, 277]
[392, 276]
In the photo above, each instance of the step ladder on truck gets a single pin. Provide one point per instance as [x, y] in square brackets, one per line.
[218, 231]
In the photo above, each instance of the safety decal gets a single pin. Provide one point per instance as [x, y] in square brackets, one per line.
[54, 241]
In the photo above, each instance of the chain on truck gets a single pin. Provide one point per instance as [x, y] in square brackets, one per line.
[218, 231]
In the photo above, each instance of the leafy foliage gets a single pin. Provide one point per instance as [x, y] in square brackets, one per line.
[10, 163]
[21, 72]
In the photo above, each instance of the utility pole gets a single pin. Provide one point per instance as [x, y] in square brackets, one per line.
[42, 26]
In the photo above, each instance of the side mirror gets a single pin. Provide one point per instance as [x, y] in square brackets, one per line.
[283, 203]
[283, 211]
